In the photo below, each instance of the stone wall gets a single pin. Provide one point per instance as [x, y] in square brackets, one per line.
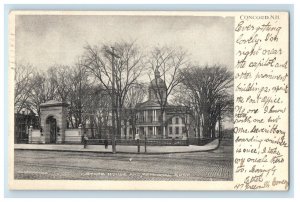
[73, 136]
[35, 137]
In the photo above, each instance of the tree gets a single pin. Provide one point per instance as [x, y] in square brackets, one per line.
[184, 97]
[24, 82]
[80, 95]
[128, 67]
[165, 63]
[100, 108]
[135, 95]
[211, 91]
[43, 90]
[61, 77]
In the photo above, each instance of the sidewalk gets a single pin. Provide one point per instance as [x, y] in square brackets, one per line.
[120, 148]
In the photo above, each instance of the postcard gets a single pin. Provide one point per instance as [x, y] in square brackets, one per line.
[148, 100]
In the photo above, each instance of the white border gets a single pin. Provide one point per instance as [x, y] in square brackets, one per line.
[296, 71]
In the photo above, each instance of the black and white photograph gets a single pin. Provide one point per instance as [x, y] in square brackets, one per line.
[120, 97]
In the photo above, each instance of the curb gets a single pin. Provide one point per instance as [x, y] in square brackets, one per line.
[118, 152]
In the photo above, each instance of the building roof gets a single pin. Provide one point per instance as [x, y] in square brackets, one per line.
[148, 103]
[53, 103]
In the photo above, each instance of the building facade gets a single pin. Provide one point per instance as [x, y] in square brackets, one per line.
[155, 118]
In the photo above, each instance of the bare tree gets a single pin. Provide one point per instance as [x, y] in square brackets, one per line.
[99, 110]
[79, 95]
[210, 89]
[127, 68]
[43, 90]
[165, 64]
[135, 95]
[184, 97]
[71, 85]
[24, 82]
[61, 77]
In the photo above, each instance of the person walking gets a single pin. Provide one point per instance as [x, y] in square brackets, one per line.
[85, 140]
[106, 143]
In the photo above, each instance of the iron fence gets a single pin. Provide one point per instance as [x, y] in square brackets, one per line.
[153, 142]
[98, 141]
[22, 141]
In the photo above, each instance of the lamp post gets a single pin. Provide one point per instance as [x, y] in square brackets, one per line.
[113, 139]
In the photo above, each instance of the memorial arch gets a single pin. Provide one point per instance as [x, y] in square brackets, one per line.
[53, 121]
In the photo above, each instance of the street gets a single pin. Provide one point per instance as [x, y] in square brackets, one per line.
[56, 165]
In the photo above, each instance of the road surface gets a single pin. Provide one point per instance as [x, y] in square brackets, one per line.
[58, 165]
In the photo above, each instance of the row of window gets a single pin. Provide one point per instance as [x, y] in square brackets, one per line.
[151, 130]
[151, 119]
[141, 117]
[142, 131]
[152, 115]
[176, 130]
[177, 121]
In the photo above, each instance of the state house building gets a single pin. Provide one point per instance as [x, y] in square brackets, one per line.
[176, 119]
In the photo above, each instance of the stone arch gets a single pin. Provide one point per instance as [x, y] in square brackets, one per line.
[51, 115]
[57, 110]
[51, 128]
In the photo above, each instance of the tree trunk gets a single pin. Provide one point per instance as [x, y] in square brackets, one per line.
[99, 129]
[199, 129]
[118, 119]
[125, 129]
[213, 131]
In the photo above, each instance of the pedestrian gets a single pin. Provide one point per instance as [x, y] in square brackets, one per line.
[85, 140]
[137, 137]
[106, 143]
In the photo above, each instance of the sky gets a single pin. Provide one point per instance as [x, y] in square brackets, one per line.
[47, 40]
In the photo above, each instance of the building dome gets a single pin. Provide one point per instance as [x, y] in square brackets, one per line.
[157, 82]
[157, 88]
